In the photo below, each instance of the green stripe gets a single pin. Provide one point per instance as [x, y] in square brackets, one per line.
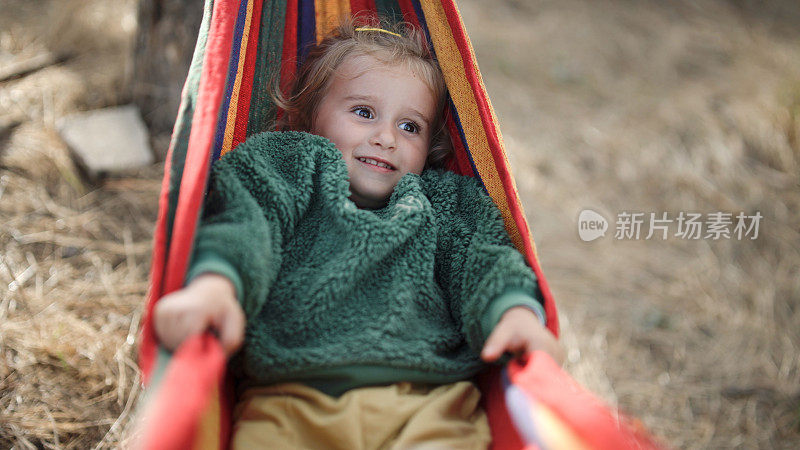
[390, 10]
[183, 125]
[268, 65]
[163, 357]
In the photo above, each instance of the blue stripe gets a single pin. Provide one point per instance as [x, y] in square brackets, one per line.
[306, 29]
[450, 105]
[238, 32]
[463, 138]
[423, 23]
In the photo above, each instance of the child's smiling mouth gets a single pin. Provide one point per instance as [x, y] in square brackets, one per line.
[377, 163]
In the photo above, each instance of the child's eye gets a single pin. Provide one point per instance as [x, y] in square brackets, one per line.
[411, 127]
[363, 111]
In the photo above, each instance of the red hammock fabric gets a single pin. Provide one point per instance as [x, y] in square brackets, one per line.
[240, 42]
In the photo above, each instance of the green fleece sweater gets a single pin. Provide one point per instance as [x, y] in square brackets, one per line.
[339, 297]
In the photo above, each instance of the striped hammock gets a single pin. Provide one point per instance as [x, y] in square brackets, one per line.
[241, 47]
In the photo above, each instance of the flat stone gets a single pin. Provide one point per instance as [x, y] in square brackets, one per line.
[107, 140]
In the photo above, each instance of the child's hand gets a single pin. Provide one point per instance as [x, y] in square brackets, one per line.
[209, 301]
[519, 331]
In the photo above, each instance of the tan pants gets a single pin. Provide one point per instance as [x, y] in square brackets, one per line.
[399, 416]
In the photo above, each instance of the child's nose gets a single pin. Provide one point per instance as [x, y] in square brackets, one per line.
[384, 136]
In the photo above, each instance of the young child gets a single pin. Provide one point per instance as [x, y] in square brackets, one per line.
[372, 286]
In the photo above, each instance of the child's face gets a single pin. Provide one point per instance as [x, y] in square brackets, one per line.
[379, 116]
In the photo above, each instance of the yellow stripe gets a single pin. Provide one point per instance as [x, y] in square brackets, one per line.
[555, 433]
[464, 99]
[328, 14]
[379, 30]
[237, 84]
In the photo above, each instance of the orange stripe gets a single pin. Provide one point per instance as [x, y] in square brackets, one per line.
[208, 428]
[495, 142]
[227, 142]
[456, 41]
[464, 99]
[328, 13]
[498, 153]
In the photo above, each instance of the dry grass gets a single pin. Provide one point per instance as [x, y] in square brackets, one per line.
[75, 266]
[74, 257]
[628, 106]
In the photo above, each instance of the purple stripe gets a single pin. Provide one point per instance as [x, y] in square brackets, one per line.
[238, 32]
[519, 409]
[306, 29]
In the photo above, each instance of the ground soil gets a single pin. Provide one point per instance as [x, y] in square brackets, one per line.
[618, 106]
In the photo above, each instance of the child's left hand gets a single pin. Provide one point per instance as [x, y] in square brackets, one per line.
[520, 331]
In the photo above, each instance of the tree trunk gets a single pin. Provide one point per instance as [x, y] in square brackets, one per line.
[163, 51]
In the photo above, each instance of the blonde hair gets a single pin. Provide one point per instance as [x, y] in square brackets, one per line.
[400, 43]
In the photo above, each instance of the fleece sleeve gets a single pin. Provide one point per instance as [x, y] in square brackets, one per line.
[257, 193]
[480, 271]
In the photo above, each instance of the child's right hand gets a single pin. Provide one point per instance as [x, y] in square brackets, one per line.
[209, 301]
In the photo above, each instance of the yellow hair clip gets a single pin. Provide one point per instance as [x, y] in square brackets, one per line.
[380, 30]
